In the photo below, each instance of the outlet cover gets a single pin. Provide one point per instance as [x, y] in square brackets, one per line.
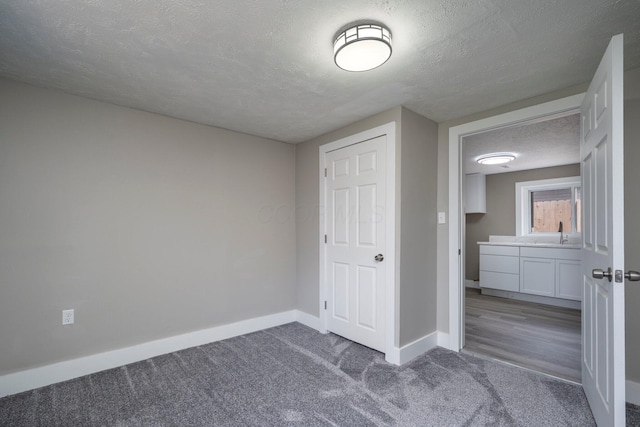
[67, 317]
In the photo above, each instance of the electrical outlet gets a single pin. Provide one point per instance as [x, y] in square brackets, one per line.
[67, 317]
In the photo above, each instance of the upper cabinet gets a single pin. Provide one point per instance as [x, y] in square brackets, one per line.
[476, 193]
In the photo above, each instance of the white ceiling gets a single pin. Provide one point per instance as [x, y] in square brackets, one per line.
[543, 144]
[266, 68]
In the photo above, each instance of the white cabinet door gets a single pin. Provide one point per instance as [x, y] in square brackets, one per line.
[476, 193]
[568, 279]
[538, 276]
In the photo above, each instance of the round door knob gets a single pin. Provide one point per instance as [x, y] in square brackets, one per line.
[598, 273]
[632, 276]
[379, 257]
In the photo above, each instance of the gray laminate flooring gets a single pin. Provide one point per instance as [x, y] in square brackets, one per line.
[535, 336]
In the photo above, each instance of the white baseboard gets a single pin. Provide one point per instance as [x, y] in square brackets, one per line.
[63, 371]
[632, 392]
[396, 356]
[307, 319]
[471, 284]
[444, 340]
[400, 356]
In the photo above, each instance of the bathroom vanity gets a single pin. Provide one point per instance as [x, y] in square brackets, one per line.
[551, 272]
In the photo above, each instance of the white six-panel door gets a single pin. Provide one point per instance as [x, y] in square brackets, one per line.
[355, 233]
[601, 153]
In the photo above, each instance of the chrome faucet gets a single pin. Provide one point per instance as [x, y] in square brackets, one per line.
[563, 239]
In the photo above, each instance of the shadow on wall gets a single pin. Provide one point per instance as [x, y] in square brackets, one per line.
[473, 222]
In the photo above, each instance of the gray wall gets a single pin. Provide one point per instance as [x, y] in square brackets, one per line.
[147, 226]
[632, 209]
[418, 309]
[500, 218]
[415, 215]
[632, 234]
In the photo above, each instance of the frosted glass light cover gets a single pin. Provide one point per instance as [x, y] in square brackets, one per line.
[362, 48]
[496, 158]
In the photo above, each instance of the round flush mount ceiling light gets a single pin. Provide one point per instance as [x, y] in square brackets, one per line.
[362, 47]
[495, 158]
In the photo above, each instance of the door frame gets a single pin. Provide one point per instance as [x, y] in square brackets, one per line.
[539, 112]
[392, 354]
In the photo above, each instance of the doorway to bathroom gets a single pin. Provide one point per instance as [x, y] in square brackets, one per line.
[521, 247]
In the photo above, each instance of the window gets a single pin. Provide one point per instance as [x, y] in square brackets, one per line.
[542, 205]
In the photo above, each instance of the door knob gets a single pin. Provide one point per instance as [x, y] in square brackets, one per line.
[597, 273]
[379, 257]
[632, 276]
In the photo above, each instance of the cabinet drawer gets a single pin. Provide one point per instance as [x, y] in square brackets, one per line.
[502, 281]
[500, 250]
[553, 253]
[499, 263]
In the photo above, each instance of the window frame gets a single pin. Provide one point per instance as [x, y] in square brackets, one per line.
[523, 203]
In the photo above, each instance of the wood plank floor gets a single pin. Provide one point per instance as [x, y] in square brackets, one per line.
[535, 336]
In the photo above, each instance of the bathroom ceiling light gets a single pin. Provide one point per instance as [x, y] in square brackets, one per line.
[495, 158]
[362, 47]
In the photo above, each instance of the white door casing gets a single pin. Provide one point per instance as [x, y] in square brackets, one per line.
[545, 111]
[358, 219]
[601, 154]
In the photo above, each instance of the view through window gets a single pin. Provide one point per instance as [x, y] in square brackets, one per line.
[550, 207]
[542, 205]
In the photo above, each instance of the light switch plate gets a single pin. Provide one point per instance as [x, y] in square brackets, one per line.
[67, 317]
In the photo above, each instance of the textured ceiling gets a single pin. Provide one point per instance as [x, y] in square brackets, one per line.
[549, 143]
[266, 68]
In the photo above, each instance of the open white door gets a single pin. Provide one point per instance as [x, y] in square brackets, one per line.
[601, 154]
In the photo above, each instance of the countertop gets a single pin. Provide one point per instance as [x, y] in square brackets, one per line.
[534, 244]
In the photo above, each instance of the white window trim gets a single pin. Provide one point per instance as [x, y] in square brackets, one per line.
[523, 228]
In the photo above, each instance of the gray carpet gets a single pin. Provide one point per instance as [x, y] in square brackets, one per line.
[293, 376]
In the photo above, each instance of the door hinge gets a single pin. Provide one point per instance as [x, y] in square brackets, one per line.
[325, 305]
[459, 252]
[325, 238]
[325, 172]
